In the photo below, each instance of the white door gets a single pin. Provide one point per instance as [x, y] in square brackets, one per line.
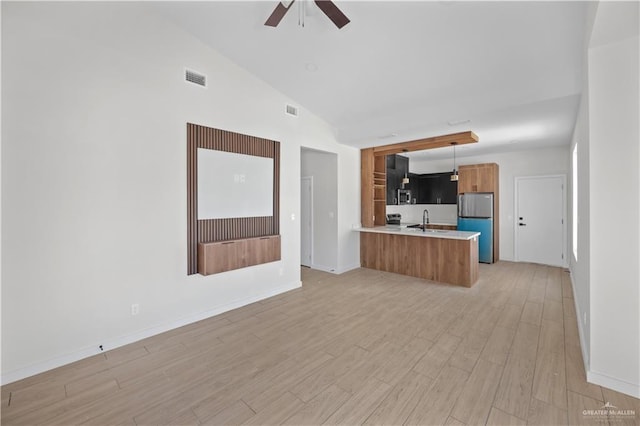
[306, 221]
[540, 222]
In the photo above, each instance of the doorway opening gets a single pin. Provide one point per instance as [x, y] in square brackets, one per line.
[319, 209]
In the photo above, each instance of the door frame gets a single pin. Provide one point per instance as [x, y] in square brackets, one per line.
[517, 180]
[310, 179]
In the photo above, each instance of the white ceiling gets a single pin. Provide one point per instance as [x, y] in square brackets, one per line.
[409, 68]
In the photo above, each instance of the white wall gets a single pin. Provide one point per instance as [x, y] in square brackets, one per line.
[348, 208]
[323, 168]
[94, 179]
[579, 267]
[614, 135]
[442, 214]
[547, 161]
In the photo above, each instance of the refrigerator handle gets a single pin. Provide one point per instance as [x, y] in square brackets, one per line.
[460, 205]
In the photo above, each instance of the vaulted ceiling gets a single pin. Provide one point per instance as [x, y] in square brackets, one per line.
[509, 71]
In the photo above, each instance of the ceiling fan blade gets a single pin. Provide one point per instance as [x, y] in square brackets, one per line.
[333, 13]
[278, 14]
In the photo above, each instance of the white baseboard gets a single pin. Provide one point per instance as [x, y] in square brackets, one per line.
[595, 377]
[337, 271]
[621, 386]
[347, 268]
[323, 268]
[91, 350]
[583, 344]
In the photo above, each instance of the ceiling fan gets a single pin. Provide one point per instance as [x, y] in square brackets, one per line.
[327, 7]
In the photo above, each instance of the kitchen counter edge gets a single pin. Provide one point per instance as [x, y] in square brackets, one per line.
[414, 232]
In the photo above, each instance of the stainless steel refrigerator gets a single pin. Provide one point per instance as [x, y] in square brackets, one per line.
[475, 213]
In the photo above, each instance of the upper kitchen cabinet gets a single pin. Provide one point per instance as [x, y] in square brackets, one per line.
[445, 190]
[402, 165]
[397, 169]
[434, 188]
[478, 178]
[431, 188]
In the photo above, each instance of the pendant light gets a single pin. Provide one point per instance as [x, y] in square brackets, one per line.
[454, 175]
[405, 179]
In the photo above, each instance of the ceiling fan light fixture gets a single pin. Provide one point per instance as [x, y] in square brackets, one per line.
[327, 7]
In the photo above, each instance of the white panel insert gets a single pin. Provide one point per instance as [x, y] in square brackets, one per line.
[232, 185]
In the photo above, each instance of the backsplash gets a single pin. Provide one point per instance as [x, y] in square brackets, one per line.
[438, 213]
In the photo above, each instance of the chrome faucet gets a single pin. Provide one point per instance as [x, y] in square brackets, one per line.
[425, 220]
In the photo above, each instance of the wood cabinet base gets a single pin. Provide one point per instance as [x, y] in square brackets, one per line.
[221, 256]
[444, 227]
[437, 259]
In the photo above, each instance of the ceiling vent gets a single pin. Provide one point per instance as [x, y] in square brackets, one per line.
[196, 78]
[291, 110]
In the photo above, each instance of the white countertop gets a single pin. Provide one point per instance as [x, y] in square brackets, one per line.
[416, 232]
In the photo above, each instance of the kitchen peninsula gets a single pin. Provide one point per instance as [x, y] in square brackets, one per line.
[438, 255]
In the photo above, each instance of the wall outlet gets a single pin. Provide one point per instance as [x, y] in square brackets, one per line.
[135, 309]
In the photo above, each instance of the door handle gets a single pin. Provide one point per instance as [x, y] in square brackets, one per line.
[522, 224]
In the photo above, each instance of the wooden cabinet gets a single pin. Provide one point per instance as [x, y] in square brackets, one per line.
[221, 256]
[478, 178]
[379, 190]
[373, 188]
[483, 178]
[439, 259]
[443, 227]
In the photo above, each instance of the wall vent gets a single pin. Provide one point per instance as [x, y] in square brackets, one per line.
[196, 78]
[291, 110]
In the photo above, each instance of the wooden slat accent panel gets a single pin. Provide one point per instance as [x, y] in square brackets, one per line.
[212, 230]
[192, 203]
[235, 228]
[437, 259]
[228, 255]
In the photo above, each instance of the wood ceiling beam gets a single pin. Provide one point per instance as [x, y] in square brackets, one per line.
[461, 138]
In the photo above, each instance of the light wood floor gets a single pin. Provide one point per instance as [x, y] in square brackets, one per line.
[365, 347]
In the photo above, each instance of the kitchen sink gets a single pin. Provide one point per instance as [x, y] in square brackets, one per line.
[419, 229]
[416, 226]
